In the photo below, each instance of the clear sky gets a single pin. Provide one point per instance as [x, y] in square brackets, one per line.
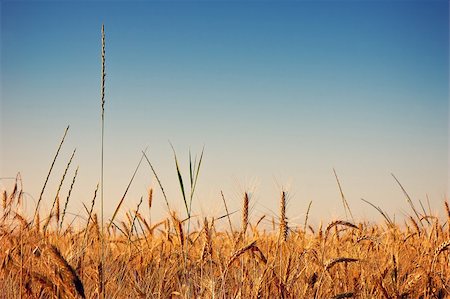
[279, 93]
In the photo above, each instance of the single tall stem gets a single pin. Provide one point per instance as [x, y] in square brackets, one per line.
[101, 167]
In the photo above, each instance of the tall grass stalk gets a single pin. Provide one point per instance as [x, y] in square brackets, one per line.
[102, 281]
[49, 172]
[306, 216]
[56, 201]
[228, 213]
[408, 199]
[68, 197]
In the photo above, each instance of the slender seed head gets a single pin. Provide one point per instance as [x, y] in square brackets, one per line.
[283, 221]
[245, 213]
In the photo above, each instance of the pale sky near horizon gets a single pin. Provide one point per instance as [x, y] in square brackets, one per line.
[279, 93]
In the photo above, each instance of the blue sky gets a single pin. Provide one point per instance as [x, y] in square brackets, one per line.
[279, 93]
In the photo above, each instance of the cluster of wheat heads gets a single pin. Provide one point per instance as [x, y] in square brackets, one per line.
[153, 260]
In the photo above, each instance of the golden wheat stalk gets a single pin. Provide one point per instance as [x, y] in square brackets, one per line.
[245, 213]
[442, 247]
[283, 222]
[179, 229]
[69, 270]
[57, 192]
[339, 222]
[67, 198]
[150, 202]
[241, 251]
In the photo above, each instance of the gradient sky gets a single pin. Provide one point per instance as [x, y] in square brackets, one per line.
[279, 93]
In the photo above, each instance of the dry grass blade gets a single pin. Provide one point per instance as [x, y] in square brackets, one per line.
[136, 214]
[228, 213]
[260, 220]
[408, 198]
[306, 216]
[119, 205]
[159, 181]
[329, 264]
[142, 219]
[57, 211]
[385, 216]
[344, 201]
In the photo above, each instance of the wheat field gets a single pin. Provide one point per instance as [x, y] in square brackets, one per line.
[42, 255]
[44, 258]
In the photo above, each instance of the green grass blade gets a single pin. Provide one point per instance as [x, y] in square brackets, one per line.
[191, 171]
[180, 179]
[197, 172]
